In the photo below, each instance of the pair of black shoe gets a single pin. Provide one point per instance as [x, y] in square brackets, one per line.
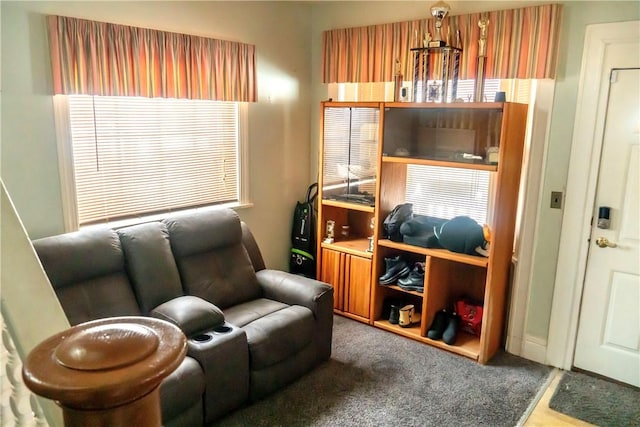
[398, 270]
[444, 326]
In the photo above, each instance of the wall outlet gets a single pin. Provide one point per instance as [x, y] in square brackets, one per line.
[556, 199]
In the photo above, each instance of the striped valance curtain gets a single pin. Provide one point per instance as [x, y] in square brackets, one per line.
[98, 58]
[521, 44]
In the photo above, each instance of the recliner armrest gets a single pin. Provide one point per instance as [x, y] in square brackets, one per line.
[191, 314]
[293, 289]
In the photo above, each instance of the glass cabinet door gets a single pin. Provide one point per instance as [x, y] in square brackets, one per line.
[350, 154]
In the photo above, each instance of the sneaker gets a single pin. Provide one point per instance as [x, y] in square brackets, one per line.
[440, 322]
[414, 281]
[395, 268]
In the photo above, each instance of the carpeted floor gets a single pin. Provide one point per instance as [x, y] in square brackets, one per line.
[597, 401]
[376, 378]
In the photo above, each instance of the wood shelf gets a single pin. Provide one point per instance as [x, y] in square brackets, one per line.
[412, 332]
[357, 247]
[440, 163]
[448, 105]
[436, 253]
[399, 289]
[466, 344]
[347, 205]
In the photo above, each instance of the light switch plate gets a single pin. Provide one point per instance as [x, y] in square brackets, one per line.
[556, 199]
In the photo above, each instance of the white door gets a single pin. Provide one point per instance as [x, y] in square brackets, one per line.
[608, 341]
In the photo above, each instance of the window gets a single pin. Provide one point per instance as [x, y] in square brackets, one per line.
[445, 192]
[131, 157]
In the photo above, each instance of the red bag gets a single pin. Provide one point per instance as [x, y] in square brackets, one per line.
[470, 313]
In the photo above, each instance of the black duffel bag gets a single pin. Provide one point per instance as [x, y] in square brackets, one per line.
[394, 220]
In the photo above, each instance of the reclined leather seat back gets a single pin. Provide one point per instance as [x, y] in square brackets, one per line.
[150, 263]
[87, 271]
[212, 260]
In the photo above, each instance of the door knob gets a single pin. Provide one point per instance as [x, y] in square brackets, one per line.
[603, 242]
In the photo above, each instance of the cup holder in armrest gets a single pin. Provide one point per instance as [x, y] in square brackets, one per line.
[202, 338]
[209, 335]
[222, 329]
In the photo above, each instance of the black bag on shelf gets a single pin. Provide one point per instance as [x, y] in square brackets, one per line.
[394, 220]
[420, 231]
[461, 234]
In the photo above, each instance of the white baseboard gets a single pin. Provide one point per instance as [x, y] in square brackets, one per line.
[534, 348]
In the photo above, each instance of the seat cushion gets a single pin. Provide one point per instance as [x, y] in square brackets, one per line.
[278, 335]
[245, 313]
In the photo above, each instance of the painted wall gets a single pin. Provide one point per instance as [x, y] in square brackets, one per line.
[576, 15]
[21, 278]
[278, 122]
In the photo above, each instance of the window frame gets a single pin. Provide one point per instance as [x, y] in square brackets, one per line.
[67, 170]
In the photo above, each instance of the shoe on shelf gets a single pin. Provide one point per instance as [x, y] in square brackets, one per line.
[451, 331]
[416, 318]
[395, 268]
[414, 281]
[394, 314]
[439, 324]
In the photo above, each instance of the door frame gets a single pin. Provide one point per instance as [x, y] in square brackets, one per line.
[586, 147]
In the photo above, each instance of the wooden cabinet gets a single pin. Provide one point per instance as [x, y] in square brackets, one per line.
[350, 276]
[346, 199]
[423, 150]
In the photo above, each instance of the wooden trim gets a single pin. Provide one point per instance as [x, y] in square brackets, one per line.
[440, 163]
[503, 227]
[340, 104]
[448, 105]
[347, 205]
[357, 247]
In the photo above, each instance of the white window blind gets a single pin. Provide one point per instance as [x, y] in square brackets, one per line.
[138, 156]
[445, 192]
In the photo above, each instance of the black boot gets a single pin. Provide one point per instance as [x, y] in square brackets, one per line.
[438, 325]
[394, 315]
[414, 281]
[396, 268]
[451, 332]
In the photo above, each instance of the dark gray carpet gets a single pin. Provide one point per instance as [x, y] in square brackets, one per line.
[376, 378]
[597, 401]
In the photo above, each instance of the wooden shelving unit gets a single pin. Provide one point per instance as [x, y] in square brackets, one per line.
[426, 134]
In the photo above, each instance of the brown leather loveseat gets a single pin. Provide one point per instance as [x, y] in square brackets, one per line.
[250, 330]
